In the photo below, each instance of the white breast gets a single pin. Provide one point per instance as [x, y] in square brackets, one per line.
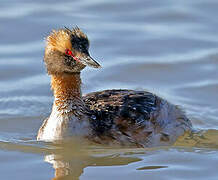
[61, 126]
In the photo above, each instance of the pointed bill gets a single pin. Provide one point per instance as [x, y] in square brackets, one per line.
[89, 61]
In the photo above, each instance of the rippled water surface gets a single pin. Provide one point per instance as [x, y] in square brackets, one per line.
[168, 47]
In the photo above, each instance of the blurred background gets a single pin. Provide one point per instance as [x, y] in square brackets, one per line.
[167, 47]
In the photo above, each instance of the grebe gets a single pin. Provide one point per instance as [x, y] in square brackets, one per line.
[123, 117]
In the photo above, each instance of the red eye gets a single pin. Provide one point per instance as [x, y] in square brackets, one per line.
[68, 52]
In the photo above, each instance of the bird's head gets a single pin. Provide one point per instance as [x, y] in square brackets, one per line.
[67, 52]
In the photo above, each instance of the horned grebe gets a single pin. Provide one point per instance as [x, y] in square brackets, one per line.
[124, 117]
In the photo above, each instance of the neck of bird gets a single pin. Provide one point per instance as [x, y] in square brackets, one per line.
[67, 92]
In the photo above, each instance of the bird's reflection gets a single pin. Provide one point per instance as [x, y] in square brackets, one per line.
[69, 162]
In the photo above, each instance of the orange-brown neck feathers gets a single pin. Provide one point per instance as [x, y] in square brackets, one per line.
[66, 86]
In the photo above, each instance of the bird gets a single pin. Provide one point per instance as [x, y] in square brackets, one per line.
[118, 116]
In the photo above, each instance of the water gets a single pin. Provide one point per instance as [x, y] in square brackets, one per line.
[168, 47]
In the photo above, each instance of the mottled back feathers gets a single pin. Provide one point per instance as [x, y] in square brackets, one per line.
[120, 109]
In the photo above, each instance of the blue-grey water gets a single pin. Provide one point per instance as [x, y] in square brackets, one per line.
[167, 47]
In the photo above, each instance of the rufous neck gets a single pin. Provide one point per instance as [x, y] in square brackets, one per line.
[66, 86]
